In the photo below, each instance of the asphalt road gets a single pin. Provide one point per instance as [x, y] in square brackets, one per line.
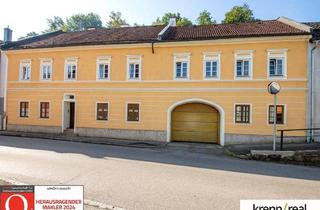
[135, 178]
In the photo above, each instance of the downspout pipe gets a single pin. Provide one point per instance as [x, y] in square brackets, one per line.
[311, 103]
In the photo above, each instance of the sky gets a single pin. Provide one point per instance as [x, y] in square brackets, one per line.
[24, 16]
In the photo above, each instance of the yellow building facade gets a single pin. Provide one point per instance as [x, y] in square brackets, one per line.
[203, 91]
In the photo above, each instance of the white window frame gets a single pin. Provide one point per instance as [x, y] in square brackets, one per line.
[284, 114]
[244, 55]
[181, 57]
[70, 61]
[276, 54]
[25, 63]
[43, 62]
[96, 109]
[134, 59]
[234, 114]
[211, 57]
[106, 60]
[126, 111]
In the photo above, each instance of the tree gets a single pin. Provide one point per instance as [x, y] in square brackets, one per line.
[181, 21]
[80, 22]
[205, 18]
[28, 35]
[116, 20]
[56, 23]
[76, 22]
[184, 22]
[239, 14]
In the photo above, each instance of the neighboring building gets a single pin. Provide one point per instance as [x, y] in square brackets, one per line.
[316, 77]
[7, 37]
[191, 83]
[1, 82]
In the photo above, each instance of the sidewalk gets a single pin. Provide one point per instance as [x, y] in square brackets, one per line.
[203, 148]
[244, 149]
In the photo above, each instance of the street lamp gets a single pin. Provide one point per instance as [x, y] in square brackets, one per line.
[274, 89]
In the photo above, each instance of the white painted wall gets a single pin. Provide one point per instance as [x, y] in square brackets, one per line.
[66, 116]
[3, 77]
[316, 103]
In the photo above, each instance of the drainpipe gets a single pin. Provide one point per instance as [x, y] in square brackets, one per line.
[311, 94]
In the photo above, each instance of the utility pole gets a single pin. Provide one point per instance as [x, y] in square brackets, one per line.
[274, 88]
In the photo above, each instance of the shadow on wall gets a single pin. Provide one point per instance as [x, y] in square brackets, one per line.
[164, 156]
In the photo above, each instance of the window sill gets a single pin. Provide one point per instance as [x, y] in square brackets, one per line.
[243, 78]
[134, 80]
[133, 122]
[70, 80]
[102, 121]
[24, 117]
[242, 123]
[211, 78]
[103, 80]
[277, 77]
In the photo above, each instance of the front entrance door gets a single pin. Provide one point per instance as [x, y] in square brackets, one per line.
[71, 121]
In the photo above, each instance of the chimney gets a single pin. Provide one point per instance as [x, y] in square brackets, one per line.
[173, 21]
[7, 34]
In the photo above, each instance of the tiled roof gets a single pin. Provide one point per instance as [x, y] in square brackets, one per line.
[315, 29]
[147, 34]
[315, 25]
[218, 31]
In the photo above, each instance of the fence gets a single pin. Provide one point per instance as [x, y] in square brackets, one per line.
[310, 134]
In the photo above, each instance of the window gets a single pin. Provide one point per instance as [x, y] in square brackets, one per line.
[242, 68]
[102, 111]
[133, 112]
[44, 109]
[24, 109]
[277, 63]
[71, 68]
[25, 70]
[181, 66]
[103, 67]
[279, 114]
[243, 64]
[242, 113]
[211, 65]
[46, 69]
[134, 67]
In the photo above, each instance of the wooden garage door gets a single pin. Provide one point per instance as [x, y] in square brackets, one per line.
[195, 122]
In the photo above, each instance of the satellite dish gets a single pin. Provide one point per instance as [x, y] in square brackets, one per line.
[274, 88]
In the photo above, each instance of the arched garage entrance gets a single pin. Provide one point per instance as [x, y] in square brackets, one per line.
[196, 120]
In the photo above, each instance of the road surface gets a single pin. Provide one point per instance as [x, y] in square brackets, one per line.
[136, 178]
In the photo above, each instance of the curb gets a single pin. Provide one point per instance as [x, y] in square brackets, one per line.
[87, 202]
[88, 140]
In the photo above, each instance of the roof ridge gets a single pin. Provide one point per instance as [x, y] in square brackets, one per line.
[147, 34]
[31, 39]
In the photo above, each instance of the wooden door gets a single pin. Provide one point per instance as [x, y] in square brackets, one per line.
[71, 115]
